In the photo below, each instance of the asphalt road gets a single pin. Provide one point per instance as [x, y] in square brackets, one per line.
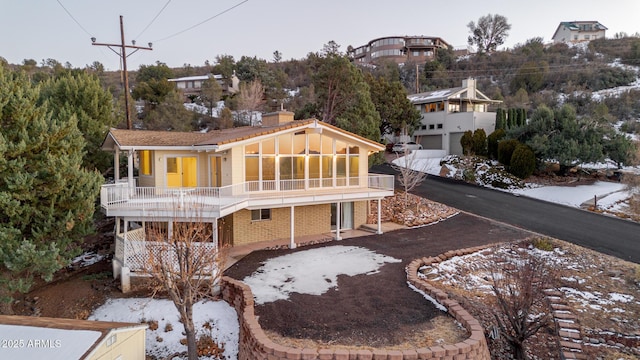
[605, 234]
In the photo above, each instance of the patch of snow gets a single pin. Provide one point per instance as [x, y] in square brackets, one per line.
[86, 259]
[623, 298]
[312, 272]
[162, 343]
[426, 296]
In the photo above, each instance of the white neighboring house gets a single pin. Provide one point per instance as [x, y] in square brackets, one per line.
[573, 32]
[192, 85]
[448, 113]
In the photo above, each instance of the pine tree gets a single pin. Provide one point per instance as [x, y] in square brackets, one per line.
[82, 95]
[500, 123]
[47, 198]
[391, 102]
[362, 118]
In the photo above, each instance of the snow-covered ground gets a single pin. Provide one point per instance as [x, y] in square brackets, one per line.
[214, 318]
[306, 272]
[302, 272]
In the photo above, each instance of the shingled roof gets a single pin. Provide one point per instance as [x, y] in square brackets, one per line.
[149, 138]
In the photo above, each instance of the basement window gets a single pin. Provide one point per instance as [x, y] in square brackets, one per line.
[260, 214]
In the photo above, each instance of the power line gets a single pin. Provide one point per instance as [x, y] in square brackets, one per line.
[74, 19]
[202, 22]
[123, 56]
[154, 19]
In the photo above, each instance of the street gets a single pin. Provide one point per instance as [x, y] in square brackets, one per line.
[605, 234]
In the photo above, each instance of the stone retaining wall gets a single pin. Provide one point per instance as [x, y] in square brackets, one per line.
[255, 345]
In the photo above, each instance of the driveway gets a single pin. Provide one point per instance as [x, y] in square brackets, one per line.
[377, 309]
[605, 234]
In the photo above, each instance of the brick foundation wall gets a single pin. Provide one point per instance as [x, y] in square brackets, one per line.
[359, 214]
[309, 220]
[255, 345]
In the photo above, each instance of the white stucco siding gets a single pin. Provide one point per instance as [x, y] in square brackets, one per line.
[486, 121]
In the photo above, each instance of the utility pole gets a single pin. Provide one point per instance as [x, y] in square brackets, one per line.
[417, 80]
[123, 55]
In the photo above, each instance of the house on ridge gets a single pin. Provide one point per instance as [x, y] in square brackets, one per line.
[398, 49]
[192, 85]
[446, 114]
[285, 179]
[29, 337]
[573, 32]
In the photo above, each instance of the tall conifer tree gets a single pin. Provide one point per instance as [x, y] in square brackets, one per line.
[47, 198]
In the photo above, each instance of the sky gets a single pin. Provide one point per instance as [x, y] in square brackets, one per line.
[194, 31]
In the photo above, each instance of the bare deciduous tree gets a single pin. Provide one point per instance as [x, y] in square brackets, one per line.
[184, 268]
[522, 306]
[411, 175]
[250, 99]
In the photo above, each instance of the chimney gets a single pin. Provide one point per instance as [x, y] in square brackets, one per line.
[470, 84]
[277, 118]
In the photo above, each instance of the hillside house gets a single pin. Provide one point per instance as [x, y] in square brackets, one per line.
[191, 86]
[446, 114]
[32, 337]
[573, 32]
[398, 49]
[284, 179]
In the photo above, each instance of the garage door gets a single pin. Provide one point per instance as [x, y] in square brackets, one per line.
[454, 143]
[431, 142]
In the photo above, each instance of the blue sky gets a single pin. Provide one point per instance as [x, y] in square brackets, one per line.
[41, 29]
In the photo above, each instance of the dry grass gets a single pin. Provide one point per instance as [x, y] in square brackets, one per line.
[595, 278]
[440, 330]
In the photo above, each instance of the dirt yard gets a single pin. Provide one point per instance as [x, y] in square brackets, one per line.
[408, 319]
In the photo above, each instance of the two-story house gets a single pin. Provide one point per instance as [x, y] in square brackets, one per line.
[446, 114]
[399, 49]
[192, 85]
[572, 32]
[284, 179]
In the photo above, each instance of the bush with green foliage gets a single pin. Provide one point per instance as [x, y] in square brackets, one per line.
[492, 143]
[467, 142]
[523, 162]
[479, 145]
[569, 139]
[505, 151]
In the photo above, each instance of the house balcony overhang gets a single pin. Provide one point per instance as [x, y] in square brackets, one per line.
[122, 200]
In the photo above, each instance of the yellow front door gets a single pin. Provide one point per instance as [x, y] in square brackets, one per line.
[182, 172]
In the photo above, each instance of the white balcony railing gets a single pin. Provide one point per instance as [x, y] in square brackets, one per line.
[122, 197]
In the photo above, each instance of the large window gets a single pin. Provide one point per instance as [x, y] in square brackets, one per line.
[301, 160]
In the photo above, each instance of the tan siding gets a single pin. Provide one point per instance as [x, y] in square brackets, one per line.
[237, 165]
[129, 345]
